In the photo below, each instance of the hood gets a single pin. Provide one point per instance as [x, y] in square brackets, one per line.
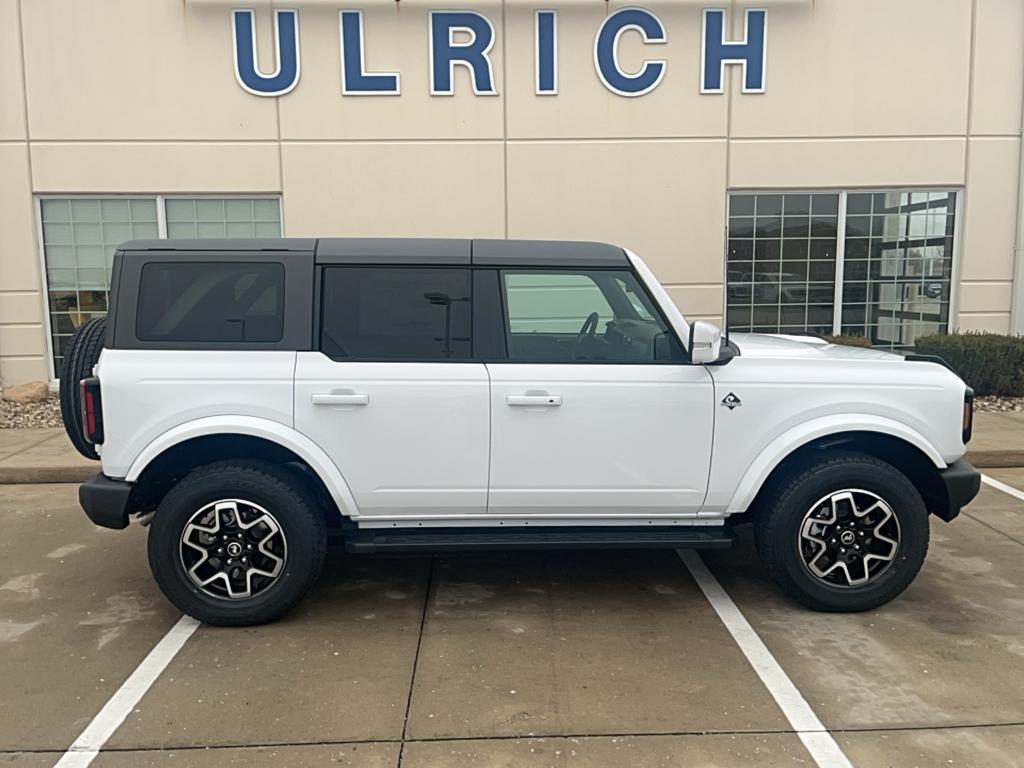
[809, 347]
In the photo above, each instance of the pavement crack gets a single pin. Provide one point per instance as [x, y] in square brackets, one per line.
[993, 528]
[416, 659]
[520, 737]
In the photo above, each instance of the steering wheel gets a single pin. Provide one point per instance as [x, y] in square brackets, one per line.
[586, 332]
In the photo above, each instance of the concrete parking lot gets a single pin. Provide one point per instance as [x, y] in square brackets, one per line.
[520, 659]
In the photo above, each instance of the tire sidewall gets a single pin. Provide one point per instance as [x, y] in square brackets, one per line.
[293, 512]
[892, 487]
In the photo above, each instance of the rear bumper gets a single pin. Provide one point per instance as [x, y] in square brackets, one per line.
[962, 484]
[105, 501]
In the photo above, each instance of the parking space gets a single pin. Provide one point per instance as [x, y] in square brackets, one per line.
[532, 659]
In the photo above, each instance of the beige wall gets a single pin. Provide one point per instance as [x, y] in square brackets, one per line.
[141, 98]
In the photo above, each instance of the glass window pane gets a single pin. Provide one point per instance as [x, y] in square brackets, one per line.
[223, 217]
[238, 210]
[896, 284]
[85, 210]
[209, 301]
[79, 238]
[794, 240]
[180, 210]
[266, 209]
[569, 316]
[388, 313]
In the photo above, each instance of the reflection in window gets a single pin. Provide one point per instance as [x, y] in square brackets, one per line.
[781, 262]
[897, 264]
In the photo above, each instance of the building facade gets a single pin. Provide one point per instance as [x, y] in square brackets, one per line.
[803, 166]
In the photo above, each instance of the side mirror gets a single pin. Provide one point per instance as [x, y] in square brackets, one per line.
[705, 342]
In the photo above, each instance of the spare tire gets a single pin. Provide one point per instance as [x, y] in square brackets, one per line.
[82, 354]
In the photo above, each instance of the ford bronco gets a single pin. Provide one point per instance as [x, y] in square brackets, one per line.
[250, 399]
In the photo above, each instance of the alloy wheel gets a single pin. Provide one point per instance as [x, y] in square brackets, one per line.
[233, 549]
[849, 538]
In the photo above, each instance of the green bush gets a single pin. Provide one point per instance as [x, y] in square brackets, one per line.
[849, 341]
[990, 363]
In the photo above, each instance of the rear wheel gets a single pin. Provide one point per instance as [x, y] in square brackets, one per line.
[82, 355]
[236, 544]
[847, 534]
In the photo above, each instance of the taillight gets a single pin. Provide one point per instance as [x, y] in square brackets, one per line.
[92, 410]
[968, 423]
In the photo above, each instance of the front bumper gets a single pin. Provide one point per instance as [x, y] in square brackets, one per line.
[105, 501]
[962, 483]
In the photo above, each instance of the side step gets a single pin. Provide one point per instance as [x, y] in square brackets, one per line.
[476, 539]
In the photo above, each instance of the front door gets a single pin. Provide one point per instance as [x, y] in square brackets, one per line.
[392, 394]
[595, 414]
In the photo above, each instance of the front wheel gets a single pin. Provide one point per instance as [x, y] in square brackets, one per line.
[848, 533]
[236, 544]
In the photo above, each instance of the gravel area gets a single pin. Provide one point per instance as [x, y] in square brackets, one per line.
[30, 415]
[996, 404]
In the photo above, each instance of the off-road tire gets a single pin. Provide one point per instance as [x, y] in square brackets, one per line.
[777, 530]
[83, 353]
[266, 485]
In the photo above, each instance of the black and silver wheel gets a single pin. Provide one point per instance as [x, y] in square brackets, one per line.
[236, 544]
[847, 534]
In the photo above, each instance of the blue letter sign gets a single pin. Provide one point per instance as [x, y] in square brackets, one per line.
[286, 38]
[749, 52]
[547, 53]
[445, 53]
[355, 80]
[606, 52]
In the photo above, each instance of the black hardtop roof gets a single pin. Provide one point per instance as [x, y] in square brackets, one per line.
[397, 250]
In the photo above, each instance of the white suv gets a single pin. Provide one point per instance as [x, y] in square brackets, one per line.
[248, 398]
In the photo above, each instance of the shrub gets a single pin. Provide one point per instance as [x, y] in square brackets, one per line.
[849, 341]
[990, 363]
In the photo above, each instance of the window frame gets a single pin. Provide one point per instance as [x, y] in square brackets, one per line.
[298, 277]
[161, 224]
[843, 193]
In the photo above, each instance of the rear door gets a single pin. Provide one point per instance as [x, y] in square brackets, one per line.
[392, 392]
[595, 412]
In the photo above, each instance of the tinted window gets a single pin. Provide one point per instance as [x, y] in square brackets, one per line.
[396, 313]
[211, 302]
[584, 315]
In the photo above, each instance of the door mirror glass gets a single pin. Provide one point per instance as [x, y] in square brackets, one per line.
[705, 342]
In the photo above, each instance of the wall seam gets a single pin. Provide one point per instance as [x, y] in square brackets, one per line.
[44, 325]
[958, 268]
[504, 106]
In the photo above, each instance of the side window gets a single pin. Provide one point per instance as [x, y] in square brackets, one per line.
[211, 302]
[583, 316]
[396, 313]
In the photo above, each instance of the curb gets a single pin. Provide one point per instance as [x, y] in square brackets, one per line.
[34, 475]
[995, 459]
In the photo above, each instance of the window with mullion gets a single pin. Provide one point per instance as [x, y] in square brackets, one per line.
[896, 273]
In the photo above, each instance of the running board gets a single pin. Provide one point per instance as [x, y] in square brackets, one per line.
[476, 539]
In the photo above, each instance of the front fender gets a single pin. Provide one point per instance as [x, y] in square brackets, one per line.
[782, 446]
[272, 431]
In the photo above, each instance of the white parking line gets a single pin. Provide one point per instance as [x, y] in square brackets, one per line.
[808, 727]
[1002, 487]
[88, 745]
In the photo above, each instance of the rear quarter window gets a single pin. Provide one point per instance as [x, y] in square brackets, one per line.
[211, 302]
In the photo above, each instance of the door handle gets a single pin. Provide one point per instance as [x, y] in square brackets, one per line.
[341, 398]
[548, 401]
